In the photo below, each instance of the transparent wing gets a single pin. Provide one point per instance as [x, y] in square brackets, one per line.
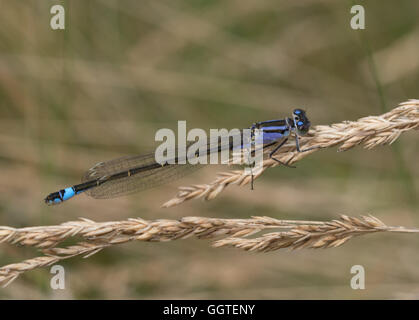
[151, 177]
[135, 183]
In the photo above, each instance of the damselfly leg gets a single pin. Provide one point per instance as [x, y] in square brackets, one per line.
[297, 144]
[271, 155]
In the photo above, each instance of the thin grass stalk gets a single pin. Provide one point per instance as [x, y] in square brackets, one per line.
[292, 234]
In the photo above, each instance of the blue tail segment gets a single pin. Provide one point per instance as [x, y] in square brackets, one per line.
[61, 196]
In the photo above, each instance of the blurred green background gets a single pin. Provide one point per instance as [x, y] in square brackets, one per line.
[123, 69]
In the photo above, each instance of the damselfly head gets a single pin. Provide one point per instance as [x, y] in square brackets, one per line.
[301, 122]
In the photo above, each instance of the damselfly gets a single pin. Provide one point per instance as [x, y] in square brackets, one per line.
[131, 174]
